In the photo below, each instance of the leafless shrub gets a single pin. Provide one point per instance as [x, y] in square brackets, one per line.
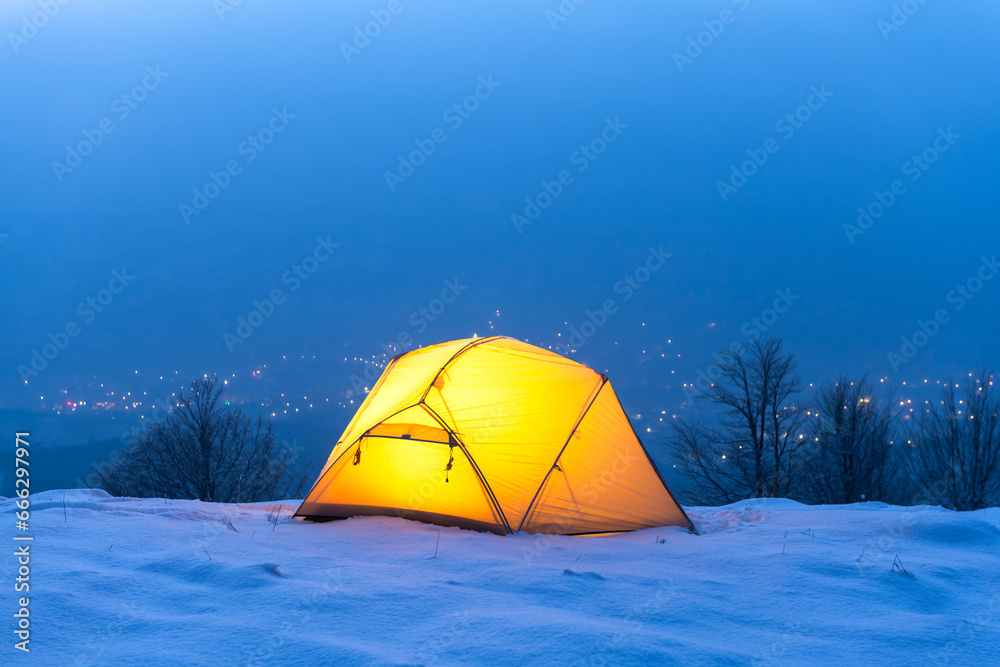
[202, 449]
[850, 452]
[955, 455]
[751, 453]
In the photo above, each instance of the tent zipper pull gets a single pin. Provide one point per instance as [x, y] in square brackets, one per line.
[451, 459]
[357, 455]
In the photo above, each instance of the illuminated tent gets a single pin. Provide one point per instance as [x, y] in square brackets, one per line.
[496, 435]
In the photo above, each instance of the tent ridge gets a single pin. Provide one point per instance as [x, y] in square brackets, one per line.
[474, 343]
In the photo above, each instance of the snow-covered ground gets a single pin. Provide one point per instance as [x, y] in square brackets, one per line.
[117, 581]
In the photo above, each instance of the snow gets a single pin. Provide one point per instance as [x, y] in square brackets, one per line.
[157, 582]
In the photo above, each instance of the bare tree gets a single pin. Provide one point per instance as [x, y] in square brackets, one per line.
[203, 449]
[956, 447]
[751, 452]
[850, 451]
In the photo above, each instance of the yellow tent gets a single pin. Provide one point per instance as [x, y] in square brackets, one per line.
[497, 435]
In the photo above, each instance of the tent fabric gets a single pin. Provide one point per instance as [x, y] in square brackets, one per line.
[498, 435]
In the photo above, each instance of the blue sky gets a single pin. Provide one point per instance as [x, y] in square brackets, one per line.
[188, 88]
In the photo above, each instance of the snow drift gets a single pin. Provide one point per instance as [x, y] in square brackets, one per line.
[159, 582]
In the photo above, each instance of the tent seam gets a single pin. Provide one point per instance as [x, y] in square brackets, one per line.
[475, 466]
[384, 375]
[326, 470]
[375, 387]
[652, 463]
[527, 512]
[474, 343]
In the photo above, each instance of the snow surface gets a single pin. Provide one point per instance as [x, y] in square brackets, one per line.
[156, 582]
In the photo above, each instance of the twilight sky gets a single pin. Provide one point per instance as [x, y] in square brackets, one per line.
[685, 175]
